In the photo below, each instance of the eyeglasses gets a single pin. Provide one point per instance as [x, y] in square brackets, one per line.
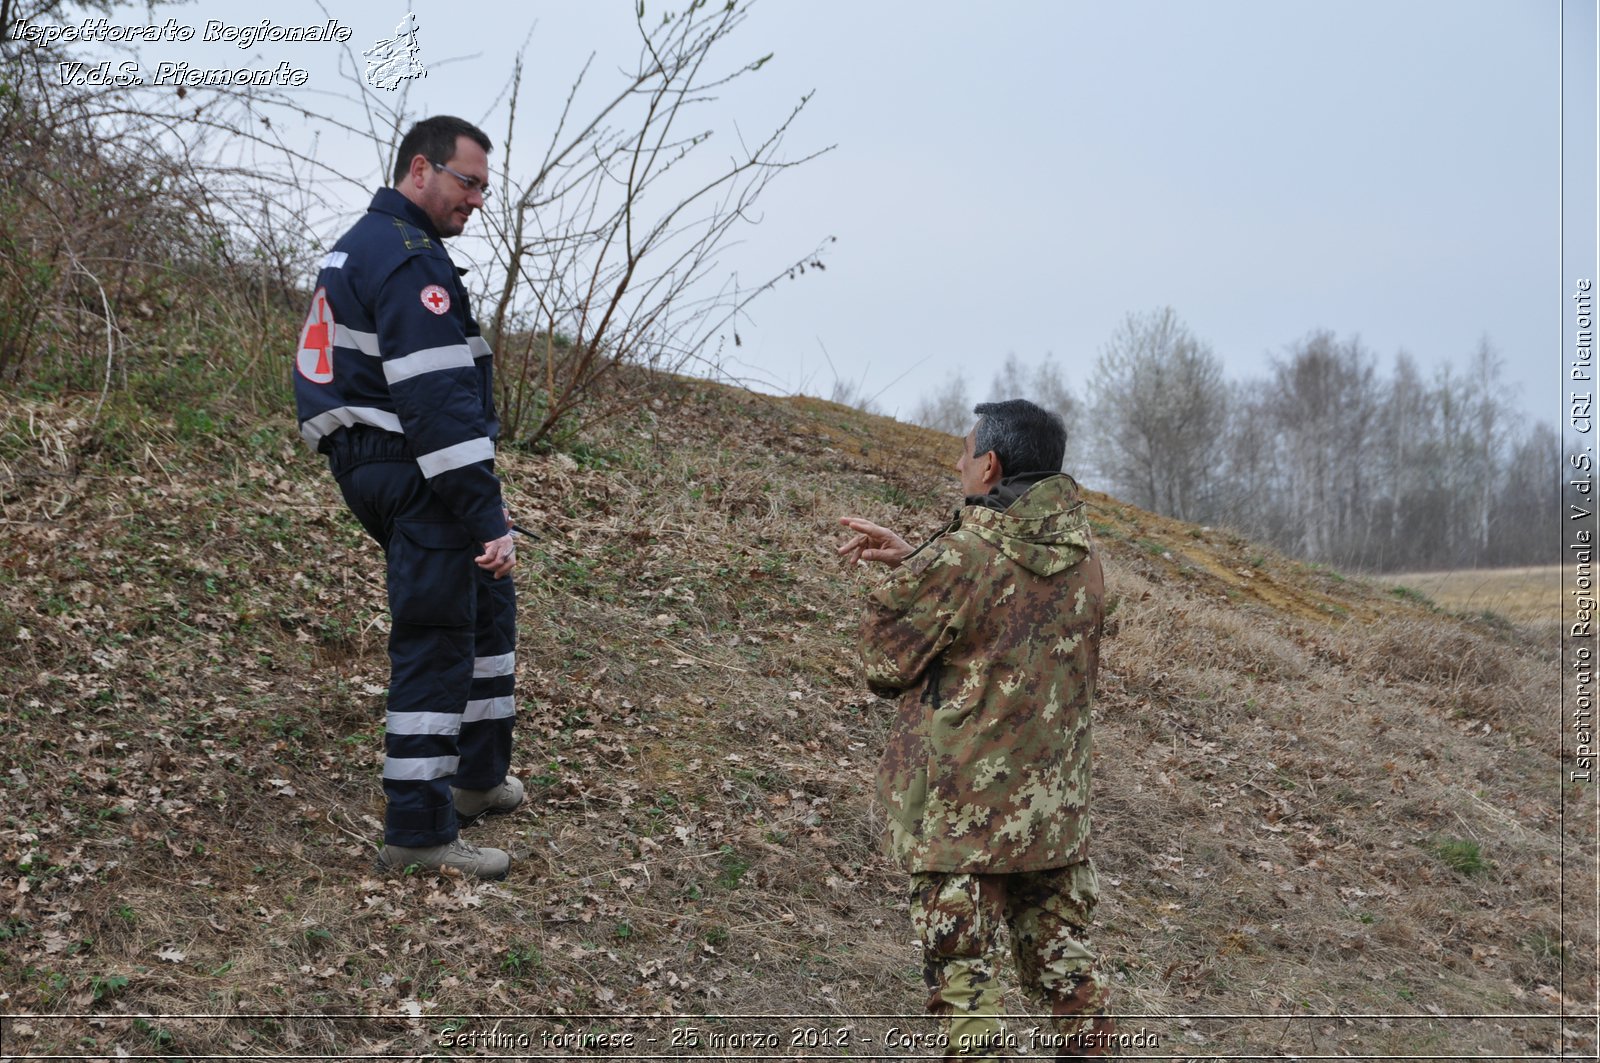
[471, 184]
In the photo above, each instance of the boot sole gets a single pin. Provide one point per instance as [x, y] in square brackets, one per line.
[385, 869]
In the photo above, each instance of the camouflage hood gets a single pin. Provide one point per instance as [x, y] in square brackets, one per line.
[1045, 531]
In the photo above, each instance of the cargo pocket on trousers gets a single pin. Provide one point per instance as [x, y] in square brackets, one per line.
[431, 578]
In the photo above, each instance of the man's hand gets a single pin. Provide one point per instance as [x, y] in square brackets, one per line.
[873, 542]
[499, 556]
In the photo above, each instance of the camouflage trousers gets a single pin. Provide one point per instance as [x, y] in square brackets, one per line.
[958, 918]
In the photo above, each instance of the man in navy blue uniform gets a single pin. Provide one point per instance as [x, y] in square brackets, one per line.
[394, 383]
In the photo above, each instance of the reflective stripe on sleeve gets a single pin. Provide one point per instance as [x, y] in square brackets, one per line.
[349, 338]
[472, 451]
[432, 360]
[324, 424]
[479, 346]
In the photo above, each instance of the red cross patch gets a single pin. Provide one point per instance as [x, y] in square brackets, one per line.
[315, 358]
[436, 299]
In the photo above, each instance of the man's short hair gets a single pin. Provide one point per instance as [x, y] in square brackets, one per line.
[1025, 437]
[435, 140]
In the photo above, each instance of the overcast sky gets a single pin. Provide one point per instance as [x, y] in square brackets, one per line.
[1015, 177]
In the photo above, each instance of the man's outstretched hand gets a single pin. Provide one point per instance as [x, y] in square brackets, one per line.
[873, 542]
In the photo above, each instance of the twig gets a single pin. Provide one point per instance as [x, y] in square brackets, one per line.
[702, 660]
[105, 388]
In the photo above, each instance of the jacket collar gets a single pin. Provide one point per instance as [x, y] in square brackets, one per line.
[390, 201]
[1007, 491]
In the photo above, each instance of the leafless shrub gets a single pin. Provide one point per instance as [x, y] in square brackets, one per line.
[606, 252]
[130, 238]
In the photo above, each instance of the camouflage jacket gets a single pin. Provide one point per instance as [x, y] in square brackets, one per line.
[990, 636]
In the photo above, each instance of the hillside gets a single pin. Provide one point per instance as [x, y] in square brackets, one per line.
[1329, 810]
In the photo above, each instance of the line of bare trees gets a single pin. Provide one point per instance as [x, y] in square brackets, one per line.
[1326, 457]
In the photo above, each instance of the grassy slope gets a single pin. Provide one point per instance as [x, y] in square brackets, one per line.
[1312, 796]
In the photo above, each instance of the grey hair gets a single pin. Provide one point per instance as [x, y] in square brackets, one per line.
[1024, 436]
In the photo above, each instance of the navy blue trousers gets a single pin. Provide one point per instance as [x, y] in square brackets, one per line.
[452, 653]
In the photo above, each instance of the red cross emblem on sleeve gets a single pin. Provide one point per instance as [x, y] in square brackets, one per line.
[436, 299]
[315, 358]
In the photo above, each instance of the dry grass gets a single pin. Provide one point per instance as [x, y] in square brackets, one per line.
[1313, 798]
[1530, 596]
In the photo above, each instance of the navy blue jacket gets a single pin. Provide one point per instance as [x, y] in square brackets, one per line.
[390, 345]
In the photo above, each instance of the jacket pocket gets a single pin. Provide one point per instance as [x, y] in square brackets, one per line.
[431, 577]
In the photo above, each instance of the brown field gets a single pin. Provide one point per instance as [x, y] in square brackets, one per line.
[1530, 596]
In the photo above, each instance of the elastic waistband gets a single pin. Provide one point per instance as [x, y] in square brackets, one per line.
[360, 445]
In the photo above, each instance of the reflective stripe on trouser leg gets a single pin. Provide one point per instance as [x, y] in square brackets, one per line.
[956, 917]
[432, 583]
[1048, 913]
[491, 704]
[430, 673]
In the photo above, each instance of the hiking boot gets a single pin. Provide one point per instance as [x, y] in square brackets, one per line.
[473, 805]
[470, 860]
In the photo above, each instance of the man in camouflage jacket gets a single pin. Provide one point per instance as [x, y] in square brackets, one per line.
[989, 637]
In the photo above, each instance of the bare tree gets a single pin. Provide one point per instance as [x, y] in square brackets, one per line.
[1158, 405]
[605, 250]
[1404, 470]
[1250, 487]
[1041, 384]
[1530, 495]
[1489, 422]
[852, 393]
[1323, 404]
[948, 409]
